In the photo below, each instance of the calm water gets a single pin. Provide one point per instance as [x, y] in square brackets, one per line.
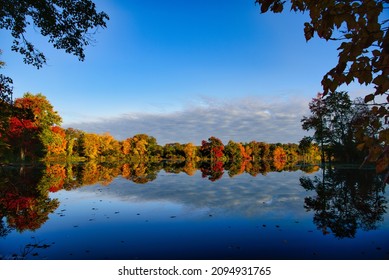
[279, 215]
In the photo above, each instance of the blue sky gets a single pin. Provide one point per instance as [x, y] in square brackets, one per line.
[182, 71]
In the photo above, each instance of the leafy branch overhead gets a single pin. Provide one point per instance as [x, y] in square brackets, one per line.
[68, 25]
[362, 27]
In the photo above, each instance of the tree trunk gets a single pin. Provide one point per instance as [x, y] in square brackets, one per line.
[22, 154]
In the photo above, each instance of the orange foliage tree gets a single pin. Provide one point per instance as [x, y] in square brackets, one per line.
[279, 154]
[30, 128]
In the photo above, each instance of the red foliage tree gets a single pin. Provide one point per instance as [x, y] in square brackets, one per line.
[22, 136]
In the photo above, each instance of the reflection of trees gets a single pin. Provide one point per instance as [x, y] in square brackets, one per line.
[140, 172]
[260, 167]
[24, 192]
[235, 167]
[190, 167]
[53, 178]
[279, 165]
[93, 172]
[212, 170]
[22, 202]
[308, 168]
[346, 199]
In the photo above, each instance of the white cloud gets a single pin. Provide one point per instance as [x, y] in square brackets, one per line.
[266, 196]
[239, 120]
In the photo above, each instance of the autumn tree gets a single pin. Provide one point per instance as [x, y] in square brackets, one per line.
[212, 153]
[45, 118]
[237, 151]
[190, 151]
[54, 141]
[141, 147]
[42, 110]
[90, 145]
[108, 146]
[22, 137]
[279, 154]
[254, 150]
[212, 149]
[126, 146]
[145, 146]
[362, 28]
[31, 125]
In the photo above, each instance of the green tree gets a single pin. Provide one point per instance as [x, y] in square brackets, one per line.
[331, 120]
[362, 29]
[173, 151]
[233, 152]
[308, 150]
[73, 147]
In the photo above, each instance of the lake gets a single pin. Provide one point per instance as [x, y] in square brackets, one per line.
[62, 212]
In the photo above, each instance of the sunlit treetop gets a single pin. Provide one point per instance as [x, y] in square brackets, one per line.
[362, 28]
[68, 25]
[42, 110]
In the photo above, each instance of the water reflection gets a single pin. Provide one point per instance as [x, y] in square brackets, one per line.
[24, 198]
[345, 200]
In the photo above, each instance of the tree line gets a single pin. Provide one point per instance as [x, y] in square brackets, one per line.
[31, 131]
[344, 130]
